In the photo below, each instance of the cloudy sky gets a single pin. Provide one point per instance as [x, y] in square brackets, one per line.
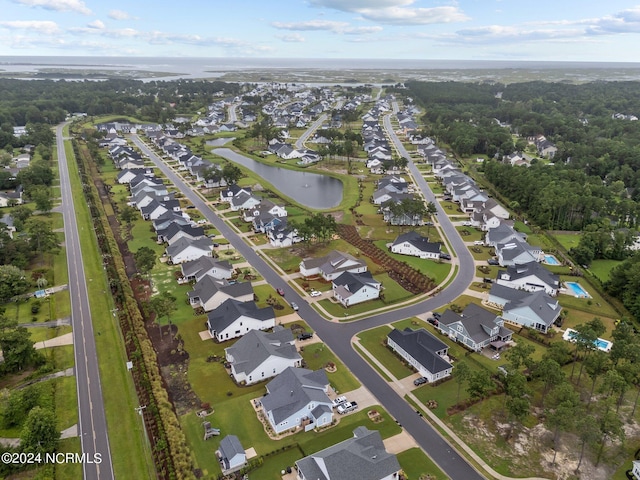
[558, 30]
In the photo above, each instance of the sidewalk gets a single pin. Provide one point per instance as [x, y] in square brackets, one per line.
[461, 447]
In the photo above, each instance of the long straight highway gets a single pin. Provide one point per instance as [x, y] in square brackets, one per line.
[92, 424]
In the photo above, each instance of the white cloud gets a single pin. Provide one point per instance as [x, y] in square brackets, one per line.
[97, 24]
[311, 25]
[414, 16]
[43, 27]
[357, 5]
[58, 5]
[292, 38]
[119, 15]
[395, 12]
[325, 25]
[361, 30]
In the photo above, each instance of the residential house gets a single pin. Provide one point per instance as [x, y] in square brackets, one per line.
[362, 457]
[210, 292]
[353, 288]
[476, 328]
[233, 319]
[536, 310]
[231, 454]
[259, 355]
[11, 198]
[414, 244]
[298, 398]
[166, 219]
[282, 235]
[175, 232]
[332, 265]
[424, 352]
[517, 252]
[206, 266]
[503, 233]
[7, 224]
[243, 201]
[184, 250]
[531, 277]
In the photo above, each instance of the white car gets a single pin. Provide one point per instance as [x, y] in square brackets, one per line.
[346, 407]
[479, 242]
[339, 401]
[315, 293]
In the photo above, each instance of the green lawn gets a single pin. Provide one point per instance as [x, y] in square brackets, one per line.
[373, 340]
[568, 240]
[602, 268]
[129, 454]
[595, 305]
[437, 270]
[415, 462]
[470, 234]
[317, 355]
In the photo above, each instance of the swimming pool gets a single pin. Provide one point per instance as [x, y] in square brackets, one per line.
[577, 289]
[600, 343]
[551, 260]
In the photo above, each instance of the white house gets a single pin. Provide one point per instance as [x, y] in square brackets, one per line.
[211, 292]
[531, 277]
[199, 268]
[231, 454]
[362, 457]
[424, 352]
[233, 319]
[517, 252]
[353, 288]
[412, 243]
[185, 249]
[258, 355]
[636, 469]
[298, 398]
[332, 265]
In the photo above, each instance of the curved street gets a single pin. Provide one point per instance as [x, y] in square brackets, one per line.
[338, 335]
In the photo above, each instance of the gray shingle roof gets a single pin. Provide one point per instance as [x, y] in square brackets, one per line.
[208, 286]
[292, 390]
[255, 347]
[422, 346]
[230, 310]
[182, 244]
[203, 264]
[355, 281]
[476, 320]
[362, 457]
[421, 243]
[516, 272]
[230, 446]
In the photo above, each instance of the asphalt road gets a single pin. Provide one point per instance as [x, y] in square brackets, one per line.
[92, 424]
[338, 336]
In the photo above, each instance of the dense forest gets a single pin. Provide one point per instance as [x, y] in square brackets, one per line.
[592, 184]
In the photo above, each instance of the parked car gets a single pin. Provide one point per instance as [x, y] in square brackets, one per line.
[479, 242]
[419, 381]
[305, 336]
[294, 305]
[339, 400]
[280, 292]
[346, 407]
[445, 256]
[467, 224]
[433, 321]
[315, 293]
[215, 245]
[437, 315]
[493, 261]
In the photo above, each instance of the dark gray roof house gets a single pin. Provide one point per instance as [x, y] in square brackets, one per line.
[475, 327]
[362, 457]
[422, 350]
[234, 318]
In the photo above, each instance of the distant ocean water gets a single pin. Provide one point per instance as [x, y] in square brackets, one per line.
[186, 67]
